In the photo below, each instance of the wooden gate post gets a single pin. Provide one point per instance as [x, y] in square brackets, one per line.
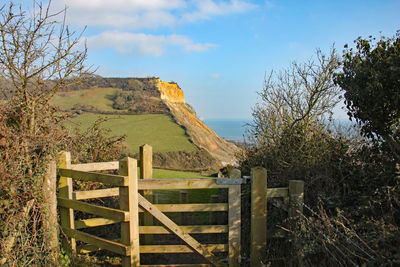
[234, 224]
[129, 202]
[65, 191]
[296, 197]
[50, 204]
[258, 216]
[146, 172]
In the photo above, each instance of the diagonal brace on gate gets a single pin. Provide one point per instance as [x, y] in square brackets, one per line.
[175, 229]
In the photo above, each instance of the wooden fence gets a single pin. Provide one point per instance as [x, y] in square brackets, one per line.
[135, 197]
[126, 186]
[292, 199]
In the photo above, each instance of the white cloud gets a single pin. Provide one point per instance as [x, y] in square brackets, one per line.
[151, 19]
[115, 20]
[131, 43]
[126, 14]
[139, 14]
[205, 9]
[125, 5]
[215, 75]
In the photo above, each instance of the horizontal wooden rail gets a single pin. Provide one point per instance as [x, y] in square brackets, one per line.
[167, 184]
[190, 229]
[97, 241]
[108, 213]
[277, 192]
[96, 166]
[108, 192]
[145, 249]
[93, 222]
[115, 180]
[181, 248]
[191, 207]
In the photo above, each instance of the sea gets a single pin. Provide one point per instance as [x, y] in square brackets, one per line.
[229, 129]
[235, 129]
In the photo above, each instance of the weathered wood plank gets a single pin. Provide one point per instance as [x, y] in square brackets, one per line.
[190, 229]
[129, 202]
[166, 184]
[181, 248]
[234, 222]
[277, 192]
[108, 192]
[96, 166]
[193, 243]
[191, 207]
[110, 179]
[97, 241]
[93, 222]
[105, 212]
[65, 191]
[146, 172]
[258, 216]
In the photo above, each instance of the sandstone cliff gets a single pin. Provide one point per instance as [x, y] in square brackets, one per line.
[199, 133]
[136, 96]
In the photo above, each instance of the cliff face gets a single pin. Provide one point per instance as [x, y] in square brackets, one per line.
[199, 133]
[170, 92]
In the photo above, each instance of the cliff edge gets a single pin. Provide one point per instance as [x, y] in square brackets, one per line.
[199, 133]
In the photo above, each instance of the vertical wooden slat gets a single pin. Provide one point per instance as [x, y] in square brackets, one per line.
[146, 172]
[258, 216]
[65, 191]
[129, 202]
[296, 197]
[234, 224]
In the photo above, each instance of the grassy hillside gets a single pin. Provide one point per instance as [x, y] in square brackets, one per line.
[157, 130]
[143, 110]
[100, 98]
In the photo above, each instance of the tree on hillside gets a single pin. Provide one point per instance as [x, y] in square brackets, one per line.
[295, 98]
[371, 82]
[38, 56]
[291, 138]
[288, 132]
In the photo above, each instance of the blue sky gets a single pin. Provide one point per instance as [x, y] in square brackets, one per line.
[218, 51]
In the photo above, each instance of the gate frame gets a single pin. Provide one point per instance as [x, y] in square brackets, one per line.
[127, 215]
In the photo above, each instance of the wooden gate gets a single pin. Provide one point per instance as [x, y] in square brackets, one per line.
[132, 203]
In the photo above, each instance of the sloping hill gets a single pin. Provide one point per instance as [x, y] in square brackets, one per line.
[199, 133]
[147, 110]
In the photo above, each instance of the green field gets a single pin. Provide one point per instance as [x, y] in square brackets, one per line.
[167, 174]
[100, 98]
[157, 130]
[172, 196]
